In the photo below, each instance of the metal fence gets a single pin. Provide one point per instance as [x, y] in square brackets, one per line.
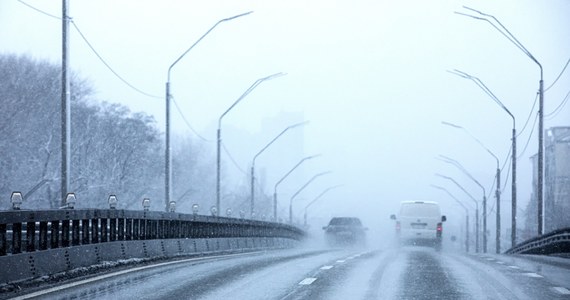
[31, 231]
[557, 241]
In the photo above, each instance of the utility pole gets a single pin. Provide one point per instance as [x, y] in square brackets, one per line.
[514, 190]
[65, 105]
[498, 197]
[540, 152]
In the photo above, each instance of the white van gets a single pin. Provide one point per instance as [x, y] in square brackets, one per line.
[419, 223]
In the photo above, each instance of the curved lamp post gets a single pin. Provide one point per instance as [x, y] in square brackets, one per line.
[259, 153]
[540, 184]
[299, 191]
[513, 152]
[315, 200]
[462, 169]
[218, 160]
[476, 208]
[466, 214]
[497, 190]
[283, 178]
[168, 158]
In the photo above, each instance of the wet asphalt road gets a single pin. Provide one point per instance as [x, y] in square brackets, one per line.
[404, 273]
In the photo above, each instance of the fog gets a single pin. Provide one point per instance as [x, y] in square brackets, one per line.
[369, 76]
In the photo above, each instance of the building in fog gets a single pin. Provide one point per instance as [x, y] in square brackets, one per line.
[556, 181]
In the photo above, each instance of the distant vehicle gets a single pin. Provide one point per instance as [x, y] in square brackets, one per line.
[345, 231]
[419, 223]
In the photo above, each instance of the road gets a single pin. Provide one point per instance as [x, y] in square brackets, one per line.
[317, 273]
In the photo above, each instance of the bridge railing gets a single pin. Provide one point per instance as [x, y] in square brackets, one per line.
[31, 231]
[557, 241]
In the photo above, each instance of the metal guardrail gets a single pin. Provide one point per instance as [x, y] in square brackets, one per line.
[557, 241]
[31, 231]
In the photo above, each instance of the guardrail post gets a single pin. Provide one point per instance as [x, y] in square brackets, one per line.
[94, 231]
[54, 234]
[3, 240]
[104, 233]
[136, 229]
[144, 229]
[85, 231]
[186, 229]
[43, 243]
[112, 229]
[129, 229]
[75, 232]
[16, 238]
[31, 236]
[121, 228]
[65, 233]
[173, 229]
[154, 229]
[160, 229]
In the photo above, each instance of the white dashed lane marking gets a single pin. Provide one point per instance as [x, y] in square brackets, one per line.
[514, 267]
[489, 259]
[533, 275]
[307, 281]
[326, 267]
[340, 261]
[500, 262]
[561, 290]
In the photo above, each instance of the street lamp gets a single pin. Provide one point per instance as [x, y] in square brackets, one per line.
[506, 33]
[497, 190]
[259, 153]
[218, 160]
[476, 208]
[168, 158]
[283, 178]
[315, 200]
[462, 169]
[466, 214]
[513, 152]
[300, 190]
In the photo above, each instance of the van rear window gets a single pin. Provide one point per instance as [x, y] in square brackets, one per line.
[419, 210]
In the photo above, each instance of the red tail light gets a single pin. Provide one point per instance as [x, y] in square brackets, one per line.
[398, 226]
[439, 227]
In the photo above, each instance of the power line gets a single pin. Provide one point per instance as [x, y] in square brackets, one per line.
[39, 10]
[92, 49]
[529, 137]
[188, 123]
[109, 67]
[507, 177]
[233, 160]
[558, 109]
[529, 115]
[559, 75]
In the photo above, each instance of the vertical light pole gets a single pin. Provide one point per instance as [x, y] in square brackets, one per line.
[283, 178]
[315, 200]
[462, 169]
[540, 184]
[466, 215]
[168, 158]
[476, 209]
[259, 153]
[299, 191]
[481, 85]
[498, 187]
[65, 106]
[219, 133]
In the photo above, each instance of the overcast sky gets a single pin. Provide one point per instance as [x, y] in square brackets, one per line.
[369, 75]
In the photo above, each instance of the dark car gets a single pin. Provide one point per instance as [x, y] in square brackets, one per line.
[345, 231]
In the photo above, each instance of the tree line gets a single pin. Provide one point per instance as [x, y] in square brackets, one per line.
[113, 150]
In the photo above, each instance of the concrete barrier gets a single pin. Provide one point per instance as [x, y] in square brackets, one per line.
[25, 266]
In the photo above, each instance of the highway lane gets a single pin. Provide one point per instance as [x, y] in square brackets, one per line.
[314, 273]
